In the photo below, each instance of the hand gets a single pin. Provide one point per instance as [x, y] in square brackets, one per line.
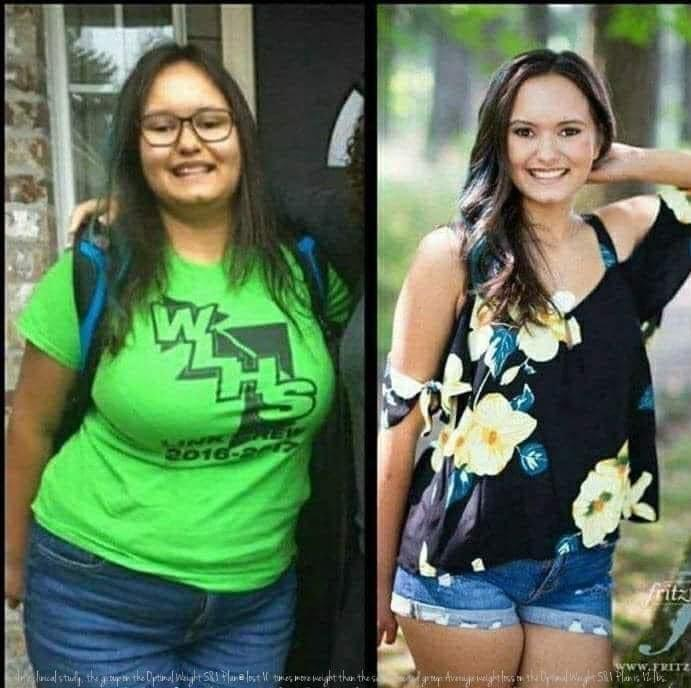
[14, 584]
[85, 210]
[616, 166]
[387, 626]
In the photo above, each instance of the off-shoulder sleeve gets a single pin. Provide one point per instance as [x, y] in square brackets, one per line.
[400, 394]
[659, 265]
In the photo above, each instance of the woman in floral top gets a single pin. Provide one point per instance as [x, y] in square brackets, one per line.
[523, 327]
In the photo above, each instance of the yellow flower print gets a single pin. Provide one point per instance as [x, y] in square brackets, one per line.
[452, 385]
[496, 430]
[613, 468]
[425, 568]
[541, 343]
[632, 497]
[440, 450]
[480, 329]
[597, 509]
[457, 443]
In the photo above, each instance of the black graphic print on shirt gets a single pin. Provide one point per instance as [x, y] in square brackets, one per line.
[255, 378]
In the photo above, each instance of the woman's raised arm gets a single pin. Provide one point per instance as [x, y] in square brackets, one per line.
[630, 163]
[427, 308]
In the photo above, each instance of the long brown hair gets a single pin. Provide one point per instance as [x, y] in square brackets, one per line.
[138, 231]
[495, 233]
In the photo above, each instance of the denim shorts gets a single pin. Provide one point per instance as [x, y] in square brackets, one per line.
[572, 592]
[112, 627]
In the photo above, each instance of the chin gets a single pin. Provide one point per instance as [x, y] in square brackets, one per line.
[548, 196]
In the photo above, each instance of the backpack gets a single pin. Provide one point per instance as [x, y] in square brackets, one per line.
[324, 534]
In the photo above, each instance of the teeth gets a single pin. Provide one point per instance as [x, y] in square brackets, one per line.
[544, 174]
[191, 170]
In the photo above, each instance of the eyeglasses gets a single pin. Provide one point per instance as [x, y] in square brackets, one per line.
[209, 124]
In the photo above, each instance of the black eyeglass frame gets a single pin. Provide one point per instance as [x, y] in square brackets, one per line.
[181, 123]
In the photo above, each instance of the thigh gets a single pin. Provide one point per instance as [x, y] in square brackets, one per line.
[449, 657]
[87, 618]
[570, 660]
[244, 638]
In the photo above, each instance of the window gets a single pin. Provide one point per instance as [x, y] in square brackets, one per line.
[90, 51]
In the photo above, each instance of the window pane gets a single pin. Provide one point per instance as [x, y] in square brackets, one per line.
[93, 44]
[92, 117]
[100, 51]
[145, 25]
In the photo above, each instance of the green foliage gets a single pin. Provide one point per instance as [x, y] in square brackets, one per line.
[637, 24]
[396, 31]
[468, 23]
[491, 32]
[681, 21]
[633, 23]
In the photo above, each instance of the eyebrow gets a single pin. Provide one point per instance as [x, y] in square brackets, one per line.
[164, 111]
[566, 121]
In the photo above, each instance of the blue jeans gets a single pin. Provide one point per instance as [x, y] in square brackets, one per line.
[108, 626]
[572, 592]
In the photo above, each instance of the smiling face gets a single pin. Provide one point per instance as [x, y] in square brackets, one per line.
[552, 140]
[182, 89]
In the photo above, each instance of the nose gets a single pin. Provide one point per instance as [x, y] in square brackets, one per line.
[188, 139]
[547, 149]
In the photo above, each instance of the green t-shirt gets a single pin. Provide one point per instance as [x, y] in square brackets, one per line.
[193, 462]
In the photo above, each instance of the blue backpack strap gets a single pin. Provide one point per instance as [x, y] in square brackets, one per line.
[90, 260]
[90, 289]
[315, 269]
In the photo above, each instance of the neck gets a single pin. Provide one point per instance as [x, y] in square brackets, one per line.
[198, 235]
[553, 224]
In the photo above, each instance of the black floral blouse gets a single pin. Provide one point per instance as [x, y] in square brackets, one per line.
[532, 458]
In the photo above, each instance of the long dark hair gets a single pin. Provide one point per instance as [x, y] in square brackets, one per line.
[495, 233]
[138, 231]
[355, 171]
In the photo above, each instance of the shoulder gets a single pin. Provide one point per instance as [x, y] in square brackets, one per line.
[437, 276]
[629, 220]
[439, 253]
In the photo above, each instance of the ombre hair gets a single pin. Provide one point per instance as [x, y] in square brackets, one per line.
[494, 231]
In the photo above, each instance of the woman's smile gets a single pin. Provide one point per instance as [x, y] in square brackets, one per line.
[548, 176]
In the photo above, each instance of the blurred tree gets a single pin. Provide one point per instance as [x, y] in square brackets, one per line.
[686, 101]
[385, 54]
[467, 39]
[627, 52]
[537, 22]
[451, 105]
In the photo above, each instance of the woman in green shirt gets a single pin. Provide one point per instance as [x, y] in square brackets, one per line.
[158, 543]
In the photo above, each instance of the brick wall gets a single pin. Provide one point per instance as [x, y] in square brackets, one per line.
[30, 244]
[29, 219]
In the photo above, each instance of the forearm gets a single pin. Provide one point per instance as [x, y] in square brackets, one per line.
[27, 454]
[661, 167]
[395, 469]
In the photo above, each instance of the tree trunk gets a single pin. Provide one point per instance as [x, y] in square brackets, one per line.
[633, 73]
[451, 106]
[686, 85]
[537, 24]
[385, 59]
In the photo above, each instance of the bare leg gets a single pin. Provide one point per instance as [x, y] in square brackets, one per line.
[448, 657]
[552, 657]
